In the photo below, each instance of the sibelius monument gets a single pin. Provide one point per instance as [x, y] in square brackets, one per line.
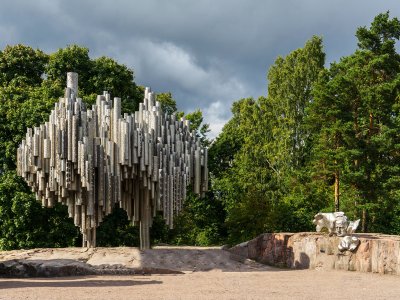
[92, 159]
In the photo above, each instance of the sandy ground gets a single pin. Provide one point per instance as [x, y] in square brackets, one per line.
[207, 273]
[268, 284]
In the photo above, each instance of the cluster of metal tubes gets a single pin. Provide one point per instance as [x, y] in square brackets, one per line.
[92, 159]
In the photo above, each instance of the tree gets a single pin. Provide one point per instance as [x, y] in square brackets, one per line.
[73, 58]
[200, 223]
[261, 184]
[330, 119]
[116, 230]
[24, 224]
[118, 80]
[21, 66]
[168, 104]
[229, 142]
[196, 124]
[290, 82]
[361, 96]
[287, 150]
[20, 108]
[240, 178]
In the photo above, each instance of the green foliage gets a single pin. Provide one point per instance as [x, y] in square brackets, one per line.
[229, 142]
[168, 104]
[21, 65]
[356, 103]
[381, 37]
[116, 230]
[289, 92]
[196, 124]
[200, 223]
[20, 109]
[70, 59]
[59, 229]
[258, 157]
[24, 224]
[118, 80]
[277, 160]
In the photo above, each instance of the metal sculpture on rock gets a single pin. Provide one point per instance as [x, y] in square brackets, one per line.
[91, 159]
[337, 223]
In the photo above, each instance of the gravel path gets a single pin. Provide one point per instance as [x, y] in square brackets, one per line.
[269, 284]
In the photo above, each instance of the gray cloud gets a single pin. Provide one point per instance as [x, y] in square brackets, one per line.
[207, 53]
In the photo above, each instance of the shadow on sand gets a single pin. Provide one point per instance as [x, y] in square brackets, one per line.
[71, 282]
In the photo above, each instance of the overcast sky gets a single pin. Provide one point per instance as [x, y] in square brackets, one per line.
[207, 53]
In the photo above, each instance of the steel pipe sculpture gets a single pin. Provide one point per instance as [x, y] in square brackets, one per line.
[91, 159]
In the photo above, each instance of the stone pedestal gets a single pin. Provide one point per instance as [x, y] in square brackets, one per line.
[377, 253]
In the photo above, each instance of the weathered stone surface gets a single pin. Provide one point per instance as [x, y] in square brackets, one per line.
[45, 268]
[119, 261]
[377, 253]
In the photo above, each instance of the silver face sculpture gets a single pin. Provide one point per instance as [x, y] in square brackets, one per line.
[92, 159]
[337, 224]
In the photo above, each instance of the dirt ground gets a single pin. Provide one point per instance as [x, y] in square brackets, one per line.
[206, 273]
[270, 283]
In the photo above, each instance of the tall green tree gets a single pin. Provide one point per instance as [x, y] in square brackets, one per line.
[262, 185]
[290, 83]
[20, 108]
[360, 140]
[330, 119]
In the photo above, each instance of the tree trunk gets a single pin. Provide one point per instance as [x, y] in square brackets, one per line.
[337, 179]
[364, 220]
[357, 130]
[337, 191]
[371, 123]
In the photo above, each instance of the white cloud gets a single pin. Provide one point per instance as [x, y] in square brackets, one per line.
[207, 53]
[215, 115]
[167, 67]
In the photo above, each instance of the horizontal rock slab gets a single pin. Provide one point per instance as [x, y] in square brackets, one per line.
[65, 267]
[60, 262]
[45, 268]
[376, 253]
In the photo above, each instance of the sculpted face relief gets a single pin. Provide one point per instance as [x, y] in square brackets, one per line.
[337, 223]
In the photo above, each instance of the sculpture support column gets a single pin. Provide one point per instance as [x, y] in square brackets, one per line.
[72, 82]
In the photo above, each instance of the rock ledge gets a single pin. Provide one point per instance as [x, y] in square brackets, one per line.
[60, 262]
[376, 253]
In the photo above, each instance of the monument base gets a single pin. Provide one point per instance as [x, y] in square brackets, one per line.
[376, 253]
